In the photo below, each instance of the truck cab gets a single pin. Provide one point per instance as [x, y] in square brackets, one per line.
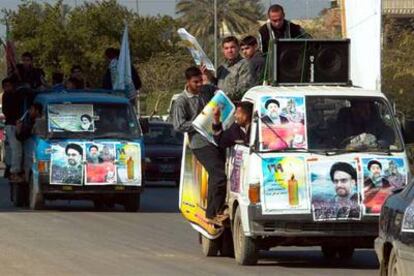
[87, 145]
[320, 163]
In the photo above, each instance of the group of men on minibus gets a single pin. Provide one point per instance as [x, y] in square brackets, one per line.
[242, 69]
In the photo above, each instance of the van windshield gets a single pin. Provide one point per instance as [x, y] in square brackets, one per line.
[92, 121]
[327, 123]
[351, 124]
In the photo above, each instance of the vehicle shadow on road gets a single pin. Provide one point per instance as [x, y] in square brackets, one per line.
[362, 259]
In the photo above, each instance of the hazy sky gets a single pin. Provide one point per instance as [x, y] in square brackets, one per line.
[294, 8]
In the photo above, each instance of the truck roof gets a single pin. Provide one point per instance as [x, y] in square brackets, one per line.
[98, 96]
[253, 94]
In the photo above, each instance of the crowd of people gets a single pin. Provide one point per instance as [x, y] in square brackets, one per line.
[242, 69]
[20, 86]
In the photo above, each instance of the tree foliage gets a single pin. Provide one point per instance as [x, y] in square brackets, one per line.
[233, 16]
[60, 36]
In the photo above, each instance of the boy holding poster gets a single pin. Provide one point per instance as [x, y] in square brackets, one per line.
[187, 107]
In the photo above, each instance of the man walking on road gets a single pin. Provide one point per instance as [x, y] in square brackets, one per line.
[186, 108]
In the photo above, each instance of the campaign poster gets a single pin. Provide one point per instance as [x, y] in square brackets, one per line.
[71, 117]
[66, 163]
[408, 220]
[282, 123]
[335, 189]
[238, 157]
[284, 186]
[128, 160]
[198, 54]
[204, 121]
[100, 164]
[381, 176]
[193, 193]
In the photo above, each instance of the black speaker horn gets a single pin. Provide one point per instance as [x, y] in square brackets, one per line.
[311, 61]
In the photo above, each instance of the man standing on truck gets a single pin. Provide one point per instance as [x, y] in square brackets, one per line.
[278, 27]
[187, 106]
[233, 76]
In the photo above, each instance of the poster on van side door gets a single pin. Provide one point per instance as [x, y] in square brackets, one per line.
[71, 117]
[282, 123]
[128, 163]
[335, 189]
[66, 163]
[193, 193]
[381, 176]
[284, 185]
[100, 164]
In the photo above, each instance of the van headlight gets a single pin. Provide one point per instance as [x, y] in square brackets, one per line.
[408, 219]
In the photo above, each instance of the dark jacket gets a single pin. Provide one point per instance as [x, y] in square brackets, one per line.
[257, 66]
[25, 131]
[31, 77]
[12, 106]
[268, 121]
[231, 136]
[107, 80]
[289, 30]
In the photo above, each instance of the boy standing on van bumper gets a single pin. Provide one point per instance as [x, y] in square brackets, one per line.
[186, 108]
[11, 109]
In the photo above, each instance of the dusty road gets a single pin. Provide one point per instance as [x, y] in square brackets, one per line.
[73, 238]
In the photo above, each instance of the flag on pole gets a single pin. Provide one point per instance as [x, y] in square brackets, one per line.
[10, 52]
[123, 80]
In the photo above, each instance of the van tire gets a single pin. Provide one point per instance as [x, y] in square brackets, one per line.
[227, 246]
[131, 202]
[36, 200]
[245, 248]
[209, 247]
[394, 264]
[19, 194]
[345, 252]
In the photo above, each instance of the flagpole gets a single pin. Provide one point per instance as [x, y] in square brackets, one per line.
[215, 34]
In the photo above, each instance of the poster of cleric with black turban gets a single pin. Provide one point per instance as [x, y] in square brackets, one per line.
[282, 123]
[381, 176]
[335, 189]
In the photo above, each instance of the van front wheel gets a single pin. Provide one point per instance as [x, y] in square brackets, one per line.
[210, 247]
[245, 249]
[36, 200]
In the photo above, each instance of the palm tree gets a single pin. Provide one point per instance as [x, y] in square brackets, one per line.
[234, 16]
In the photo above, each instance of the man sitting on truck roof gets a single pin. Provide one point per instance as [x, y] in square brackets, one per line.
[278, 27]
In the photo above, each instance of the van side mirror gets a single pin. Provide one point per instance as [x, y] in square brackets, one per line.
[408, 130]
[144, 122]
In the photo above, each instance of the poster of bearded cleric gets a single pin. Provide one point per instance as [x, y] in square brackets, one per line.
[381, 176]
[335, 190]
[284, 186]
[282, 123]
[100, 164]
[128, 159]
[66, 164]
[71, 117]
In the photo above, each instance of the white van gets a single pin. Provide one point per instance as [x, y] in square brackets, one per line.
[320, 163]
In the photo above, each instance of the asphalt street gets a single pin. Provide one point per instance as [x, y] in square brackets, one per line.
[69, 238]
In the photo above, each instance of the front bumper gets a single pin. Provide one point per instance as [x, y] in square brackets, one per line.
[302, 225]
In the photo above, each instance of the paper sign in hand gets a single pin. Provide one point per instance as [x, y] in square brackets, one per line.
[199, 56]
[204, 121]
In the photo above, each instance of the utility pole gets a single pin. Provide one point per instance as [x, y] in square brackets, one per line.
[137, 6]
[215, 34]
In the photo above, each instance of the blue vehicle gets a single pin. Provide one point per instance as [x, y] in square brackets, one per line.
[88, 146]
